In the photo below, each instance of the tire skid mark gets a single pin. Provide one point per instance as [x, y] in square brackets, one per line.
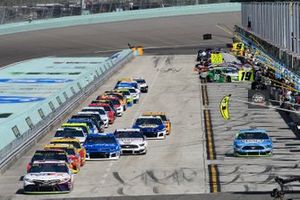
[117, 176]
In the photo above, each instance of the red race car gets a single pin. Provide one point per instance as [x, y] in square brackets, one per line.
[110, 111]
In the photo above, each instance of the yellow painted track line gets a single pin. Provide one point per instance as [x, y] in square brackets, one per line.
[214, 181]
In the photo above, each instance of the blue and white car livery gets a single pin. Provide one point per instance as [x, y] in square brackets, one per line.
[151, 127]
[252, 142]
[102, 146]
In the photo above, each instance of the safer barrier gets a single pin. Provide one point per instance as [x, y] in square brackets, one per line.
[15, 149]
[118, 16]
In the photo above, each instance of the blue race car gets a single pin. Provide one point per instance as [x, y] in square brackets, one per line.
[252, 142]
[151, 127]
[102, 147]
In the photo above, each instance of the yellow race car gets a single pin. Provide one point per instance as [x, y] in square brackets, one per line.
[76, 143]
[71, 152]
[163, 117]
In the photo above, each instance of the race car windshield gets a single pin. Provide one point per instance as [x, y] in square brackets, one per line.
[48, 167]
[83, 119]
[75, 144]
[100, 140]
[69, 151]
[84, 129]
[126, 92]
[69, 133]
[251, 136]
[115, 102]
[231, 70]
[163, 117]
[50, 156]
[141, 81]
[100, 111]
[132, 90]
[106, 108]
[142, 121]
[127, 134]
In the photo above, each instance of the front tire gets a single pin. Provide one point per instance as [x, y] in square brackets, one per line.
[228, 79]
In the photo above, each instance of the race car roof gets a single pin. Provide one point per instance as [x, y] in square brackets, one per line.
[253, 131]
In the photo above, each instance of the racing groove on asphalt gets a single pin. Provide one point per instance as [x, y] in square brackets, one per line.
[248, 174]
[173, 166]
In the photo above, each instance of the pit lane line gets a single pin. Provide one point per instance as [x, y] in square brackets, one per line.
[214, 181]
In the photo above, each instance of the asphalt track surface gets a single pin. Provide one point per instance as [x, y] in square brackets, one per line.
[90, 39]
[173, 169]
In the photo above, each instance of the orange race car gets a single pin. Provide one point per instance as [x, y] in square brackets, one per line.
[71, 152]
[76, 143]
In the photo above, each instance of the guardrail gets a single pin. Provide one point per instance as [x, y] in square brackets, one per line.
[117, 16]
[17, 148]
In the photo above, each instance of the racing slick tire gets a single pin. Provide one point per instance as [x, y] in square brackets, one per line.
[228, 79]
[209, 79]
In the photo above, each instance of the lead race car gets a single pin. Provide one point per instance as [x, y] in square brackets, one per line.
[252, 142]
[48, 177]
[151, 127]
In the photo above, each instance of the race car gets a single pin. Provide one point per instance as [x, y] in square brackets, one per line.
[77, 145]
[115, 102]
[85, 128]
[71, 132]
[71, 152]
[130, 84]
[163, 117]
[93, 120]
[142, 84]
[110, 111]
[132, 141]
[102, 147]
[48, 177]
[120, 96]
[91, 124]
[127, 95]
[101, 111]
[252, 142]
[220, 74]
[51, 154]
[151, 127]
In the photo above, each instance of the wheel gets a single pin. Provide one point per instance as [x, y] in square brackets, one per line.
[209, 79]
[228, 79]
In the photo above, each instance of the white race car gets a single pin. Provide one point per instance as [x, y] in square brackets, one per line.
[143, 85]
[101, 111]
[72, 132]
[48, 177]
[132, 141]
